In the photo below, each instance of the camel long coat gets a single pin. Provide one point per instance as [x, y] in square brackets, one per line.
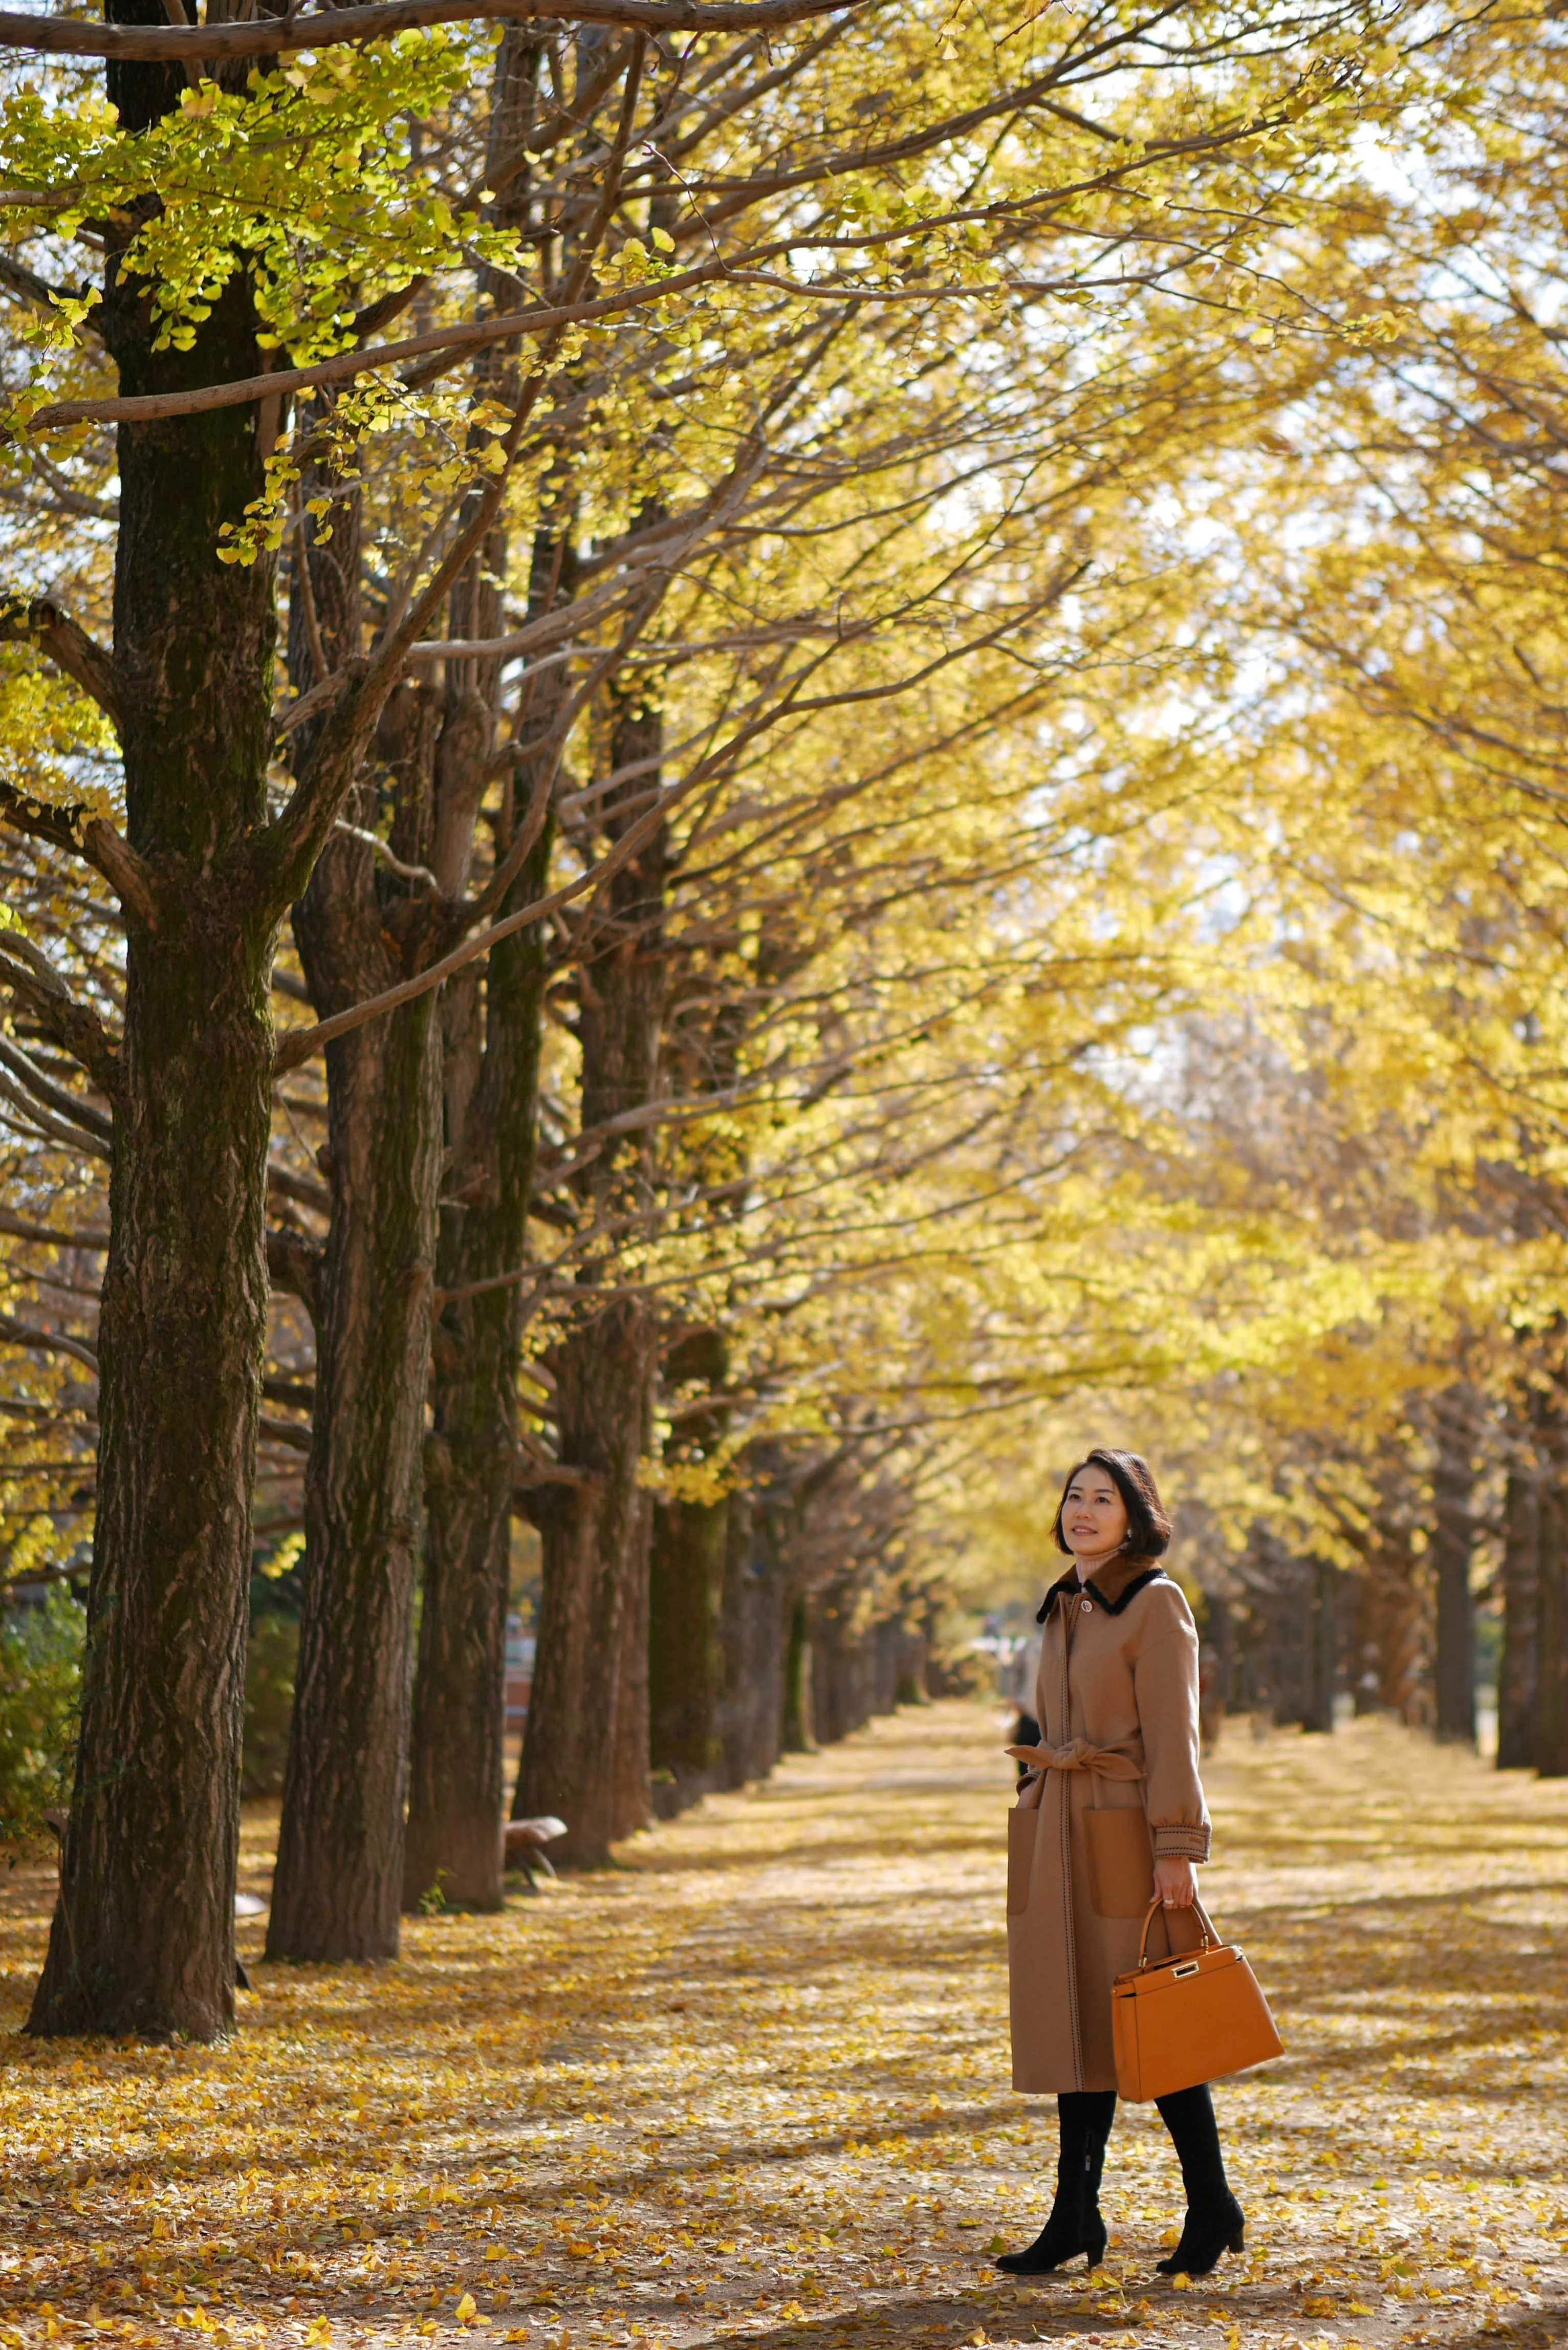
[1116, 1701]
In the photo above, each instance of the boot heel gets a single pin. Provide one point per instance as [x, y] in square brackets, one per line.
[1057, 2243]
[1204, 2237]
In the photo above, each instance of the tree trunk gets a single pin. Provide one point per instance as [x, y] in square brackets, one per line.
[1551, 1605]
[361, 927]
[1516, 1689]
[690, 1550]
[837, 1665]
[1216, 1670]
[621, 1024]
[339, 1888]
[632, 1798]
[1453, 1541]
[142, 1940]
[585, 1750]
[753, 1630]
[1389, 1631]
[457, 1794]
[1321, 1652]
[457, 1797]
[686, 1577]
[1300, 1650]
[590, 1524]
[798, 1736]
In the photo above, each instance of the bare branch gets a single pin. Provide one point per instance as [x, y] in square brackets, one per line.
[47, 1342]
[68, 646]
[28, 286]
[45, 1121]
[92, 836]
[542, 319]
[75, 1027]
[302, 1045]
[378, 848]
[22, 1228]
[294, 1264]
[291, 840]
[322, 28]
[286, 1432]
[59, 1099]
[299, 1188]
[127, 874]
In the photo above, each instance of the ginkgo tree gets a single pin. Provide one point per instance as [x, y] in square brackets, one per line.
[200, 288]
[1391, 559]
[258, 229]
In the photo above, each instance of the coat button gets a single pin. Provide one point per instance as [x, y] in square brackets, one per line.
[1088, 1607]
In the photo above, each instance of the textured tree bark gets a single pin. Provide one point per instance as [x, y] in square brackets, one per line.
[1551, 1599]
[590, 1529]
[338, 1893]
[338, 1885]
[687, 1580]
[621, 1024]
[685, 1657]
[585, 1750]
[1453, 1542]
[1516, 1692]
[754, 1629]
[457, 1790]
[457, 1794]
[631, 1792]
[705, 1708]
[142, 1940]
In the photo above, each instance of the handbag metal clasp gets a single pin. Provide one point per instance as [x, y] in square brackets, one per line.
[1189, 1968]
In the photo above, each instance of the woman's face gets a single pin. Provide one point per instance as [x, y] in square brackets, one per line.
[1094, 1515]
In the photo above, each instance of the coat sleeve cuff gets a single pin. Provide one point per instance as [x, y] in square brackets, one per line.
[1178, 1841]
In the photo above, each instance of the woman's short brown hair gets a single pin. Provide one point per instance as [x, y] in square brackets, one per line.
[1149, 1528]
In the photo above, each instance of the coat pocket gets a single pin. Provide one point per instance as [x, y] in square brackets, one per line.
[1121, 1862]
[1021, 1828]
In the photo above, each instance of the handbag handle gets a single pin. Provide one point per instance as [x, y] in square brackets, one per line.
[1211, 1938]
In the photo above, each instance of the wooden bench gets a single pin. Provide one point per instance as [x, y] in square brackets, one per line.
[525, 1842]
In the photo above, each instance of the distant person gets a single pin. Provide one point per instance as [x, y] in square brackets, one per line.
[1115, 1786]
[1022, 1677]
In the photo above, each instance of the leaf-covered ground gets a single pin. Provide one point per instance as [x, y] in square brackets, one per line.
[755, 2084]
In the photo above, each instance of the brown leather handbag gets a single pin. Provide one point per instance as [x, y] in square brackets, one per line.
[1189, 2018]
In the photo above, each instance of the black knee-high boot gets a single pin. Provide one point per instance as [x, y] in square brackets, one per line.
[1215, 2222]
[1083, 2119]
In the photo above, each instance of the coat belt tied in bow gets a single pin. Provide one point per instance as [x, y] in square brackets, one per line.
[1078, 1756]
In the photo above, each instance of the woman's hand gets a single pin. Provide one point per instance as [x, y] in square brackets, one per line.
[1175, 1882]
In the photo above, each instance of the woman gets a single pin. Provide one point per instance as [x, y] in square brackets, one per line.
[1111, 1812]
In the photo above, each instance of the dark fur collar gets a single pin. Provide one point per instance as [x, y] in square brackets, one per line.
[1115, 1585]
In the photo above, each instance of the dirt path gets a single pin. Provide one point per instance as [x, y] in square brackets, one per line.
[755, 2082]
